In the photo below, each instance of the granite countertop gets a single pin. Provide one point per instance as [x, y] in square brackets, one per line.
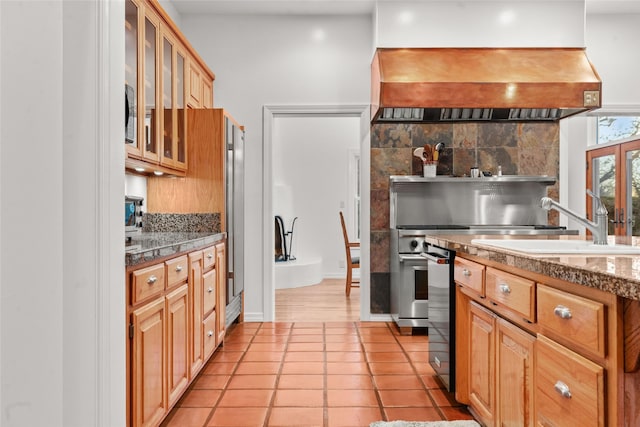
[150, 246]
[617, 274]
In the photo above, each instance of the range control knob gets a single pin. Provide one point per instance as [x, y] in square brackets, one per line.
[413, 244]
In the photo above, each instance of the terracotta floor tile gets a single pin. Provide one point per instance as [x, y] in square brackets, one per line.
[310, 325]
[342, 338]
[211, 382]
[349, 382]
[277, 325]
[387, 368]
[343, 346]
[383, 356]
[443, 398]
[302, 368]
[305, 346]
[431, 381]
[301, 382]
[455, 413]
[307, 338]
[397, 382]
[344, 324]
[304, 356]
[237, 339]
[405, 398]
[418, 346]
[299, 398]
[368, 325]
[282, 339]
[232, 417]
[423, 368]
[418, 356]
[352, 398]
[346, 356]
[246, 398]
[378, 338]
[412, 339]
[236, 346]
[267, 346]
[258, 368]
[298, 417]
[221, 368]
[370, 347]
[412, 414]
[226, 356]
[345, 368]
[188, 417]
[306, 331]
[353, 417]
[340, 331]
[197, 398]
[252, 381]
[267, 356]
[273, 331]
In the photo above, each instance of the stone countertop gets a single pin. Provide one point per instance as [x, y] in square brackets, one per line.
[617, 274]
[146, 247]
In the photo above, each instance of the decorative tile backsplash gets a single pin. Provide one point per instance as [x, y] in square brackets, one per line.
[172, 222]
[519, 148]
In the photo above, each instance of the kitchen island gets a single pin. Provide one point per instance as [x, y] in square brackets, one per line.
[546, 339]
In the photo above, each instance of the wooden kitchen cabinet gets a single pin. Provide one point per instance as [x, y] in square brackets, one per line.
[200, 88]
[177, 343]
[196, 356]
[482, 377]
[221, 270]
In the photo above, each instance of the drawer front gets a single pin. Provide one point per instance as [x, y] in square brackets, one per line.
[208, 291]
[579, 320]
[209, 257]
[513, 292]
[209, 332]
[469, 274]
[177, 271]
[147, 282]
[569, 388]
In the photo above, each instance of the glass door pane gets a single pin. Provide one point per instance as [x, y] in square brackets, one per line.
[180, 103]
[167, 99]
[131, 74]
[150, 112]
[633, 193]
[604, 185]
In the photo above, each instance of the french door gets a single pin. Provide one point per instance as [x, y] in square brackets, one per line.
[613, 174]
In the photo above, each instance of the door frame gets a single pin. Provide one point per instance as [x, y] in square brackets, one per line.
[270, 113]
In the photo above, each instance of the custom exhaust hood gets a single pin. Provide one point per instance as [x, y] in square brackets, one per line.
[481, 84]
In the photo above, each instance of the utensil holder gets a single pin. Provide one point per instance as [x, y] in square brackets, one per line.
[429, 169]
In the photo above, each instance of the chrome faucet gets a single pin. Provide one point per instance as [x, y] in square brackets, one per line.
[598, 228]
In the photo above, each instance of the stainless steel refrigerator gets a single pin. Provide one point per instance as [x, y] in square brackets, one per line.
[234, 214]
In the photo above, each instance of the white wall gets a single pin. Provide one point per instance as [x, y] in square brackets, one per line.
[310, 175]
[278, 60]
[530, 23]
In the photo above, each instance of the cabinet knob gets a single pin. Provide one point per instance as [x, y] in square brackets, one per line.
[209, 256]
[562, 312]
[466, 272]
[210, 333]
[152, 279]
[505, 289]
[210, 289]
[563, 389]
[179, 269]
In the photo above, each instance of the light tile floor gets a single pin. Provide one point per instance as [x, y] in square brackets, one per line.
[322, 374]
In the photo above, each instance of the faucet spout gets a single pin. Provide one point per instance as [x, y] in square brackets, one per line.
[597, 228]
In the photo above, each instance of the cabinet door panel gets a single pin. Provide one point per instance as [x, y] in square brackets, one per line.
[195, 305]
[209, 286]
[482, 366]
[177, 344]
[148, 366]
[221, 262]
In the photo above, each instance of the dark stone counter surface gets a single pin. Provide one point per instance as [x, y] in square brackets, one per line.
[147, 247]
[617, 274]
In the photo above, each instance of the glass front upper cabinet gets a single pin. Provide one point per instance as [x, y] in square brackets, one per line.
[131, 88]
[151, 119]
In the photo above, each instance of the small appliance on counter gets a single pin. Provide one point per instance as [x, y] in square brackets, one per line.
[132, 216]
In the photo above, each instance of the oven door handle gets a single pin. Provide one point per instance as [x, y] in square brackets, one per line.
[414, 258]
[438, 259]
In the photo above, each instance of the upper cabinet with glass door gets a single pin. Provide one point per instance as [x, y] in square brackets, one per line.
[157, 61]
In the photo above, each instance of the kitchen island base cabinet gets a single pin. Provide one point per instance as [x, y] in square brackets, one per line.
[482, 367]
[177, 343]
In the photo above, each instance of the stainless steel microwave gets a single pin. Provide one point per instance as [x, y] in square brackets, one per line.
[133, 214]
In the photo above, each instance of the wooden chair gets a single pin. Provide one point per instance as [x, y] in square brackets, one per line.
[352, 261]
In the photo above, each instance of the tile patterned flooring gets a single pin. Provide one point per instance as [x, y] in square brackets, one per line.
[320, 374]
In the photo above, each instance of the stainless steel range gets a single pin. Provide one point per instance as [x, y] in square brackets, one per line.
[422, 291]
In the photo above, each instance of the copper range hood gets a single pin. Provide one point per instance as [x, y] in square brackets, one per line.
[481, 84]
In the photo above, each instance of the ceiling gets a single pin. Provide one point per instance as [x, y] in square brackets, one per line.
[341, 7]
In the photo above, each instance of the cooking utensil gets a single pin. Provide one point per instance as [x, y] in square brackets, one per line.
[418, 152]
[436, 150]
[428, 153]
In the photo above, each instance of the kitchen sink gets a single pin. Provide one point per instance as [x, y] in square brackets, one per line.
[562, 247]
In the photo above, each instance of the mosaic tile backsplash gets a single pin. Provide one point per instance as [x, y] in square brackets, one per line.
[519, 148]
[171, 222]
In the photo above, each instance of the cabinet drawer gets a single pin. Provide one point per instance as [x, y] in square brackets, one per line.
[147, 282]
[208, 291]
[469, 274]
[210, 334]
[209, 257]
[579, 320]
[177, 271]
[511, 291]
[569, 388]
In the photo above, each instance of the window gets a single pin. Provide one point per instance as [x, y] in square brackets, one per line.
[616, 128]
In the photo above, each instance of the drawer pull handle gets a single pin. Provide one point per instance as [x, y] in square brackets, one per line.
[505, 289]
[466, 272]
[210, 333]
[209, 256]
[179, 269]
[562, 312]
[210, 289]
[563, 389]
[152, 279]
